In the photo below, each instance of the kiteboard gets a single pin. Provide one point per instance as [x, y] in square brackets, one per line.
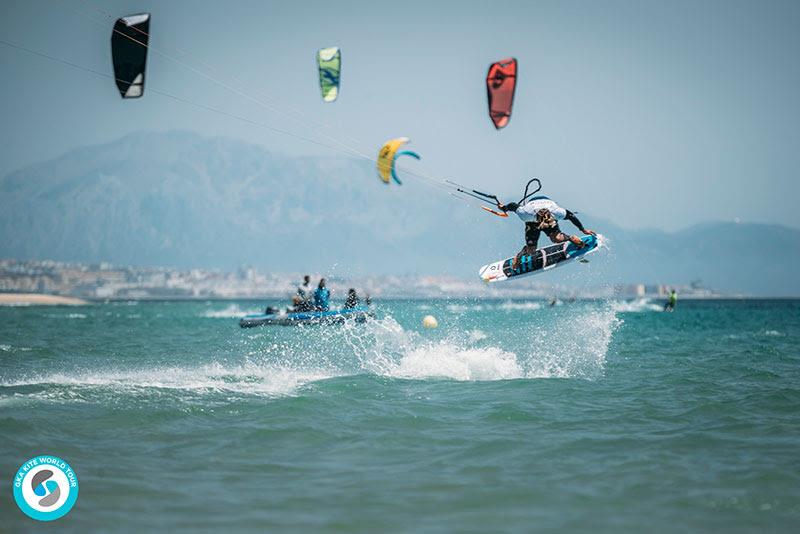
[543, 259]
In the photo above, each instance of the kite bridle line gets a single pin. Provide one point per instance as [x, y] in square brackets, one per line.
[483, 197]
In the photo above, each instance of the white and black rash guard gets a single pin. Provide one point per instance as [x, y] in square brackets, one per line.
[305, 292]
[527, 212]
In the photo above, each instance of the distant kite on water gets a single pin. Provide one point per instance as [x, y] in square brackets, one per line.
[500, 84]
[329, 61]
[129, 53]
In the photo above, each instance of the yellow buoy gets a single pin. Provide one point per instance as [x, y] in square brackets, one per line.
[429, 321]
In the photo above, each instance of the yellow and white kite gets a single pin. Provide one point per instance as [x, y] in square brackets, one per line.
[387, 156]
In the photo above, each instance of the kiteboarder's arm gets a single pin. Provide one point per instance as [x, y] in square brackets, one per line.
[574, 220]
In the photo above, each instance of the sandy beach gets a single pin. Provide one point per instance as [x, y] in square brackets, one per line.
[35, 299]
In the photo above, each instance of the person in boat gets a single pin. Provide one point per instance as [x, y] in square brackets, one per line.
[352, 300]
[322, 296]
[672, 300]
[306, 295]
[298, 305]
[540, 214]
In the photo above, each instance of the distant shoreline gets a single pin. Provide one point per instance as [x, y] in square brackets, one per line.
[36, 299]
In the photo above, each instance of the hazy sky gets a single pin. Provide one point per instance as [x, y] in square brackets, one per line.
[656, 114]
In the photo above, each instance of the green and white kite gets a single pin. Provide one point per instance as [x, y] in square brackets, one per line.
[330, 68]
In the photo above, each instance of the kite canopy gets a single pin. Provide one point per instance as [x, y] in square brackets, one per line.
[387, 156]
[329, 61]
[500, 84]
[129, 53]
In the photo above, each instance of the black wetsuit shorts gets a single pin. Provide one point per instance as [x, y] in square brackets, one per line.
[532, 233]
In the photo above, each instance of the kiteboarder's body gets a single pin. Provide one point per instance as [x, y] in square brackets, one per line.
[322, 296]
[540, 214]
[306, 295]
[672, 300]
[352, 299]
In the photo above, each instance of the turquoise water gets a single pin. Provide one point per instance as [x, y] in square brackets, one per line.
[511, 416]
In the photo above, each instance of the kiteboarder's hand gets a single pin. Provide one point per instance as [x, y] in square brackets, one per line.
[589, 232]
[511, 206]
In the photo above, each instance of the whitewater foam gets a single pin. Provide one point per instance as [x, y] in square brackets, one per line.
[444, 360]
[462, 308]
[476, 335]
[66, 315]
[246, 379]
[575, 347]
[231, 312]
[275, 363]
[518, 306]
[10, 348]
[636, 306]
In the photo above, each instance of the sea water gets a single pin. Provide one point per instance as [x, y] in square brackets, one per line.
[511, 416]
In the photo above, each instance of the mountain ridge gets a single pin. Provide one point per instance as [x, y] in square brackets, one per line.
[181, 199]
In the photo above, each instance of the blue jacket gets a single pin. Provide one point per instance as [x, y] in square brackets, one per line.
[322, 298]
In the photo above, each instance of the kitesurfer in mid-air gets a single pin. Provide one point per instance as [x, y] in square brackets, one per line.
[541, 214]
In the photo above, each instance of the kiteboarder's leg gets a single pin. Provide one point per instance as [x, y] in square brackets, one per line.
[557, 236]
[531, 239]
